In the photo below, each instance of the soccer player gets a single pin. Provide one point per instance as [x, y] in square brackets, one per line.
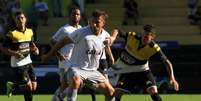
[64, 54]
[89, 45]
[106, 57]
[19, 45]
[133, 62]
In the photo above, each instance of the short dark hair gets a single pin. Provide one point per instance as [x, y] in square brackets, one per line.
[98, 13]
[19, 13]
[149, 28]
[74, 7]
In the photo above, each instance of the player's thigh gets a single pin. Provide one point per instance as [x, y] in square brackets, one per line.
[21, 75]
[106, 88]
[73, 77]
[97, 80]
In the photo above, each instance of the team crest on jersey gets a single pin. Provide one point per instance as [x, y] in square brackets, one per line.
[127, 58]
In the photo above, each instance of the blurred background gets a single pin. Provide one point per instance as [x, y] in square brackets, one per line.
[178, 26]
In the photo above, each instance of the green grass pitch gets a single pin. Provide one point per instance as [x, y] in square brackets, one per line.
[165, 97]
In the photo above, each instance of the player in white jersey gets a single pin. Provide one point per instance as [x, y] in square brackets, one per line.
[64, 54]
[85, 58]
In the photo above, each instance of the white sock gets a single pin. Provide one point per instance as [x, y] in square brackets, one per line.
[72, 94]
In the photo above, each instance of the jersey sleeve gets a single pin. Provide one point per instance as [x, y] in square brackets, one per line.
[76, 36]
[159, 56]
[59, 34]
[125, 35]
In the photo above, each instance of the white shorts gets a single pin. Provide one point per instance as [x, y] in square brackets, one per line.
[89, 77]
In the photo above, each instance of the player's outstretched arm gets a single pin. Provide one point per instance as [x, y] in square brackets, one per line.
[55, 48]
[110, 40]
[173, 81]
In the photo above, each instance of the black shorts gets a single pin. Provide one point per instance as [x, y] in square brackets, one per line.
[141, 80]
[24, 74]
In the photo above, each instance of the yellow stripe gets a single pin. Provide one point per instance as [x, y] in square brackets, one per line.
[27, 50]
[18, 36]
[143, 53]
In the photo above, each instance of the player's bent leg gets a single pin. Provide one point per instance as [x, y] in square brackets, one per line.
[74, 85]
[61, 91]
[93, 96]
[29, 89]
[107, 89]
[119, 92]
[9, 88]
[28, 95]
[154, 93]
[64, 88]
[56, 96]
[34, 85]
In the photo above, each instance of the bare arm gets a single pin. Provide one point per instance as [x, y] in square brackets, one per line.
[109, 53]
[169, 68]
[56, 47]
[58, 54]
[9, 52]
[171, 74]
[34, 49]
[110, 40]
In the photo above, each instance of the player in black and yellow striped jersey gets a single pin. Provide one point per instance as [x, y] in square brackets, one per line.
[19, 45]
[134, 59]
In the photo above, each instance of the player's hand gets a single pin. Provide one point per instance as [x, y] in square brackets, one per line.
[174, 84]
[107, 41]
[34, 49]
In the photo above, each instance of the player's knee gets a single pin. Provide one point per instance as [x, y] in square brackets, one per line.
[76, 82]
[110, 91]
[28, 86]
[34, 86]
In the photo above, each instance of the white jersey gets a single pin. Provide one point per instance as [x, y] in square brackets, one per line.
[88, 48]
[67, 49]
[103, 36]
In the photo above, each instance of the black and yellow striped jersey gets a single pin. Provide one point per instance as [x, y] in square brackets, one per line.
[136, 54]
[19, 41]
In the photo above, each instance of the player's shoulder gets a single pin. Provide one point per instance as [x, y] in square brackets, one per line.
[28, 29]
[131, 33]
[154, 45]
[105, 33]
[85, 29]
[134, 34]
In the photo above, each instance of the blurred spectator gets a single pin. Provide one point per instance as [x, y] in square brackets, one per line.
[42, 9]
[33, 19]
[2, 23]
[2, 28]
[57, 6]
[2, 3]
[12, 7]
[130, 11]
[192, 6]
[81, 5]
[196, 17]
